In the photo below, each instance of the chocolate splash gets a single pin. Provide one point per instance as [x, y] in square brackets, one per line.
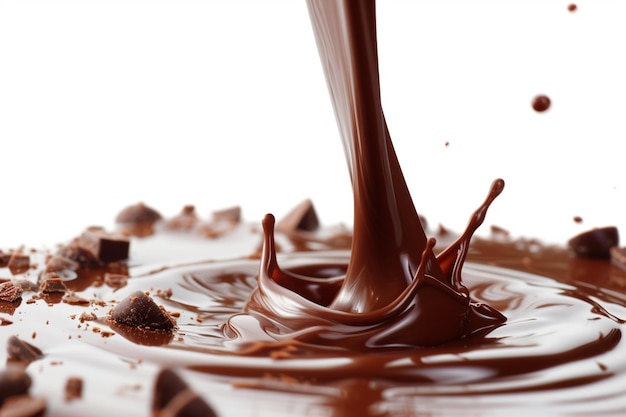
[395, 291]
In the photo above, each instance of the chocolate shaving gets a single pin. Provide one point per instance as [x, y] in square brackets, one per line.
[139, 310]
[302, 218]
[21, 351]
[595, 243]
[172, 397]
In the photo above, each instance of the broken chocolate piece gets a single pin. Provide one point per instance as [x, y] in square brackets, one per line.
[230, 214]
[83, 257]
[73, 389]
[185, 220]
[52, 284]
[19, 263]
[10, 292]
[139, 310]
[302, 218]
[106, 247]
[595, 243]
[13, 381]
[23, 406]
[21, 351]
[172, 397]
[115, 280]
[4, 259]
[58, 263]
[138, 220]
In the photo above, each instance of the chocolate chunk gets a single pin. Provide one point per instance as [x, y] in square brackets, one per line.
[618, 257]
[52, 284]
[139, 310]
[595, 243]
[138, 220]
[142, 336]
[572, 7]
[303, 217]
[115, 280]
[73, 388]
[23, 406]
[541, 103]
[230, 214]
[21, 351]
[106, 247]
[186, 220]
[13, 381]
[172, 397]
[4, 259]
[19, 263]
[10, 292]
[58, 263]
[83, 257]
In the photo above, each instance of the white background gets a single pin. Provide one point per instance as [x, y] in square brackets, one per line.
[217, 103]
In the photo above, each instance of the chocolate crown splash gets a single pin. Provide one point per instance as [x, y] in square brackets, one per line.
[396, 292]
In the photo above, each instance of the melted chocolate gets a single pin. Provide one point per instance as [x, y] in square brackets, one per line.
[324, 330]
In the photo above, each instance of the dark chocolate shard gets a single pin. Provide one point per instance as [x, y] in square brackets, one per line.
[106, 247]
[13, 381]
[302, 218]
[19, 263]
[172, 397]
[139, 310]
[21, 351]
[10, 292]
[595, 243]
